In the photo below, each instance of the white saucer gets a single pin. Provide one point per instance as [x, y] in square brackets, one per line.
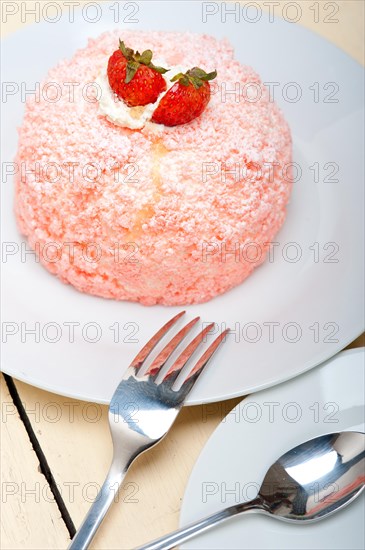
[235, 459]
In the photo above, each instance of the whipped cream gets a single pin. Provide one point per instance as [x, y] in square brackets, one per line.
[118, 112]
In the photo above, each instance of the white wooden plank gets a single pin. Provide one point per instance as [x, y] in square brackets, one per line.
[74, 435]
[29, 515]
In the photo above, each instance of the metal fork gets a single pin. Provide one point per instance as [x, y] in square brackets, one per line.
[156, 406]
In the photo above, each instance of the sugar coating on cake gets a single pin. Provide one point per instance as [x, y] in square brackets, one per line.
[169, 215]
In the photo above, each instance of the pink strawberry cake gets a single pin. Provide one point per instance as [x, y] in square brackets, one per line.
[123, 207]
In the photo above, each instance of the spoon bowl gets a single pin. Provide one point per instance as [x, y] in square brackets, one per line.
[306, 484]
[315, 479]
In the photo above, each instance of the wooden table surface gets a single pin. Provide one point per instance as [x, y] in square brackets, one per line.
[55, 451]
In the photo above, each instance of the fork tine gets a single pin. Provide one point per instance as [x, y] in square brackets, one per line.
[147, 348]
[164, 354]
[188, 352]
[200, 365]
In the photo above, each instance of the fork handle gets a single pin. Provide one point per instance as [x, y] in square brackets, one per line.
[185, 533]
[99, 508]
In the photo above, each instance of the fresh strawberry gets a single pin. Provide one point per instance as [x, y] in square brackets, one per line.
[186, 99]
[133, 76]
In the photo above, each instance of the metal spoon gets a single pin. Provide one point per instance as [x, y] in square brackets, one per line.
[306, 484]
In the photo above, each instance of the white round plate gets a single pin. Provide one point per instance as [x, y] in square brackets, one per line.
[253, 436]
[289, 315]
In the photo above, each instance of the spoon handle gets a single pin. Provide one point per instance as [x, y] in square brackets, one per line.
[185, 533]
